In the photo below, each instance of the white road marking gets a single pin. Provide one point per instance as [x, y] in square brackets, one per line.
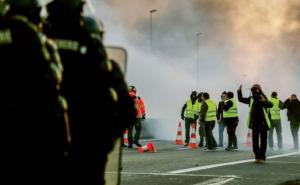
[169, 174]
[183, 148]
[216, 181]
[283, 155]
[227, 164]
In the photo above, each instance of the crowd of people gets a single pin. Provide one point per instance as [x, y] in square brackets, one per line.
[263, 118]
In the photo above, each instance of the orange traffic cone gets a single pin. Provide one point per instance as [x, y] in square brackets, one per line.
[193, 140]
[179, 139]
[125, 137]
[149, 147]
[249, 138]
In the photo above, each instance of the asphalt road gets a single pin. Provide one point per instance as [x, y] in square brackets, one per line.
[177, 165]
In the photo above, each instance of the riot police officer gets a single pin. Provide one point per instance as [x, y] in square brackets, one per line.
[125, 112]
[88, 89]
[33, 135]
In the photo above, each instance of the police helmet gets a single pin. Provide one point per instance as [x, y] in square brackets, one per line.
[3, 7]
[24, 3]
[29, 8]
[93, 26]
[69, 7]
[70, 3]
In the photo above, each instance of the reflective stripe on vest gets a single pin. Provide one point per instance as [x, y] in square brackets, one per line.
[211, 114]
[192, 110]
[232, 112]
[265, 114]
[275, 110]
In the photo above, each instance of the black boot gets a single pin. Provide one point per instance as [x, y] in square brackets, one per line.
[137, 143]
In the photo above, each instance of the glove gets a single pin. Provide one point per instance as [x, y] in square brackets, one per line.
[144, 117]
[182, 117]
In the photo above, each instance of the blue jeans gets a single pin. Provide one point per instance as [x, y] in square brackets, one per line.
[221, 131]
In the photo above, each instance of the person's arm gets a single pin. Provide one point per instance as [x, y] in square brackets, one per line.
[241, 98]
[228, 105]
[265, 102]
[182, 111]
[286, 104]
[281, 105]
[219, 111]
[203, 111]
[142, 107]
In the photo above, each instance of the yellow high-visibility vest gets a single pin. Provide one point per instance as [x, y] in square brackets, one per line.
[232, 112]
[192, 110]
[275, 110]
[265, 114]
[211, 114]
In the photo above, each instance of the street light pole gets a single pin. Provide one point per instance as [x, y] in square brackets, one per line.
[151, 29]
[198, 58]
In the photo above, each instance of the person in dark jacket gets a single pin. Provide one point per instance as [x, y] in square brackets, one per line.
[190, 114]
[292, 104]
[202, 134]
[231, 120]
[89, 88]
[220, 119]
[208, 115]
[33, 132]
[258, 120]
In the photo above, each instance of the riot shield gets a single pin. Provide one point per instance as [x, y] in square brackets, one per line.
[114, 161]
[119, 55]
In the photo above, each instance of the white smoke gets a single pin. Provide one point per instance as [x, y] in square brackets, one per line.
[242, 42]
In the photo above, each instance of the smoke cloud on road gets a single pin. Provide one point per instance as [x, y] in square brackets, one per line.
[241, 42]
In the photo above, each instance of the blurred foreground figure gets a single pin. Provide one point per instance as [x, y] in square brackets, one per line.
[293, 113]
[140, 115]
[34, 134]
[125, 112]
[258, 120]
[91, 89]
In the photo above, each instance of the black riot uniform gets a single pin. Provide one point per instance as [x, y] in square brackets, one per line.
[33, 133]
[88, 89]
[125, 113]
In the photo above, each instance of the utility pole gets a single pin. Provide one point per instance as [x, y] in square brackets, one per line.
[151, 31]
[198, 58]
